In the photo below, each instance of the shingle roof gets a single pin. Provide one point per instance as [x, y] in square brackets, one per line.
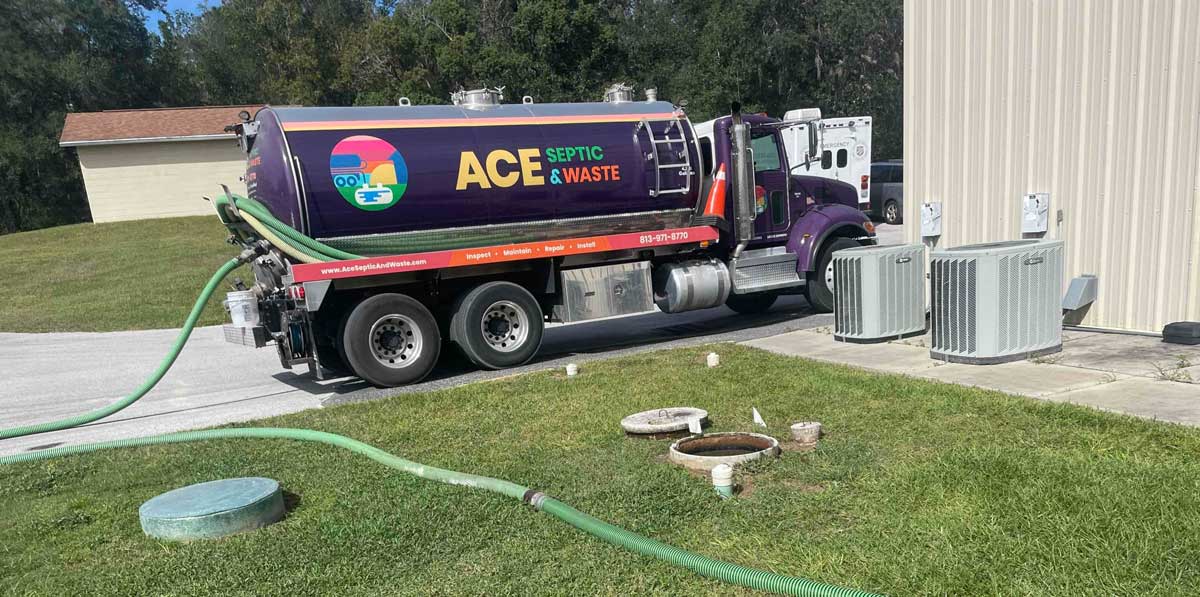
[142, 126]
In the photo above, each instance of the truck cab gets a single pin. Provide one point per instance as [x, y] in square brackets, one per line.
[797, 216]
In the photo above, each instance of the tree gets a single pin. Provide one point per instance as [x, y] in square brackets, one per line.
[277, 51]
[59, 56]
[843, 56]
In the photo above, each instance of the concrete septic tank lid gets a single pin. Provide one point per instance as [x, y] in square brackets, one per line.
[662, 420]
[703, 452]
[212, 509]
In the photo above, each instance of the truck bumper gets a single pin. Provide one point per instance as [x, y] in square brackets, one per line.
[254, 337]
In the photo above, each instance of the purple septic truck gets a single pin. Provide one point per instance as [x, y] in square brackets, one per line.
[478, 222]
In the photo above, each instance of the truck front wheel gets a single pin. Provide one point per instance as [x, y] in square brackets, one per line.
[818, 287]
[391, 340]
[497, 325]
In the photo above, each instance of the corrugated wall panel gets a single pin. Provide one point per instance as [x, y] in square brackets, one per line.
[1096, 102]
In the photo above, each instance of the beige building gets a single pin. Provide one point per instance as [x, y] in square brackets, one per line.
[141, 164]
[1096, 102]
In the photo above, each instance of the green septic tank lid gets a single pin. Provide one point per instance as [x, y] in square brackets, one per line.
[212, 509]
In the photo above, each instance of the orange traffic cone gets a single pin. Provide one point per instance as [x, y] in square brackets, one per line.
[714, 206]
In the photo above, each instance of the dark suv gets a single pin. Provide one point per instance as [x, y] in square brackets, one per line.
[887, 191]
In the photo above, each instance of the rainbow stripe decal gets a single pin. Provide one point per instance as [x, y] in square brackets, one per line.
[392, 264]
[417, 123]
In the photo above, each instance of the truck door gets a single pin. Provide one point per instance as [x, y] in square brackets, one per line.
[772, 213]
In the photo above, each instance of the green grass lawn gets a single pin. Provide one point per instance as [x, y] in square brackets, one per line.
[105, 277]
[918, 488]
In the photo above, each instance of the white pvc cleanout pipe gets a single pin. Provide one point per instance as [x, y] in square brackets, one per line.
[722, 478]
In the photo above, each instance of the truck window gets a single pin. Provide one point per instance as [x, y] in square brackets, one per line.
[826, 159]
[766, 153]
[842, 155]
[706, 156]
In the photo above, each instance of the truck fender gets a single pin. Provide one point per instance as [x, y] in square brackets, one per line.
[816, 225]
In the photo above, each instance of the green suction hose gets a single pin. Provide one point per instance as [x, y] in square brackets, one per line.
[155, 377]
[299, 241]
[715, 569]
[722, 571]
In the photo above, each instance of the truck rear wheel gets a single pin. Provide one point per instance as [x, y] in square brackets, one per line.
[818, 288]
[497, 325]
[391, 340]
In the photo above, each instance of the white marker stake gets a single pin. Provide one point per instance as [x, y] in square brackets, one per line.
[713, 360]
[694, 426]
[758, 420]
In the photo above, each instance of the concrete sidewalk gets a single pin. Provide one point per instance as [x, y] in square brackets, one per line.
[1135, 375]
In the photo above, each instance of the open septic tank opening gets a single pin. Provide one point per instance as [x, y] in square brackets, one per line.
[703, 452]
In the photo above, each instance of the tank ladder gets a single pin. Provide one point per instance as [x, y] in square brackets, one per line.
[666, 143]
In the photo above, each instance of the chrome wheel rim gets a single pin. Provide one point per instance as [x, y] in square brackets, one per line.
[504, 326]
[396, 342]
[829, 275]
[891, 213]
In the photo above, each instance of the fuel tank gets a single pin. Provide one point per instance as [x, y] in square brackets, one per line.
[388, 179]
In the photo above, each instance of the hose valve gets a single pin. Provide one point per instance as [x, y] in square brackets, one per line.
[253, 250]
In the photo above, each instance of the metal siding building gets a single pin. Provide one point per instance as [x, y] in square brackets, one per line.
[1096, 102]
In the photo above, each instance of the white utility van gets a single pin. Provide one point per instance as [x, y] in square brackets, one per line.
[845, 146]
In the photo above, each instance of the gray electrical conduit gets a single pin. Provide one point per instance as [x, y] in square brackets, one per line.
[716, 569]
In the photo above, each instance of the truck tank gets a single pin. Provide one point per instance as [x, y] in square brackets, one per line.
[394, 179]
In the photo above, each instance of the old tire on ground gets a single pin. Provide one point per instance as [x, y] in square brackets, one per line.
[891, 213]
[497, 325]
[391, 340]
[819, 286]
[749, 304]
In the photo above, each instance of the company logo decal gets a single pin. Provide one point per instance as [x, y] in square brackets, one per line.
[368, 172]
[561, 165]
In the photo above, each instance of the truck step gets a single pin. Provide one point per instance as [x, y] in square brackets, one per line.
[760, 270]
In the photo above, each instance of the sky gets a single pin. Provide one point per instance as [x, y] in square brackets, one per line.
[193, 6]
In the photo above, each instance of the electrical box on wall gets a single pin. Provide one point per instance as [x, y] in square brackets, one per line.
[931, 219]
[1035, 212]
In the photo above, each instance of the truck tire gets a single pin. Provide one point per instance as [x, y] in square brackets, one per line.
[750, 304]
[331, 358]
[497, 325]
[818, 287]
[391, 340]
[328, 342]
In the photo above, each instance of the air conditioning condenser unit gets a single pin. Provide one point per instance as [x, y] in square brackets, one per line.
[878, 293]
[996, 302]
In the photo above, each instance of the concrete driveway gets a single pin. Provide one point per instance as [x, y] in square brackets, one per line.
[51, 376]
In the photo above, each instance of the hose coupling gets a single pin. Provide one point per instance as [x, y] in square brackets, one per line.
[254, 250]
[534, 498]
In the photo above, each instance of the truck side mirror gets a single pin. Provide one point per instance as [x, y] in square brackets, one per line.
[812, 141]
[811, 156]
